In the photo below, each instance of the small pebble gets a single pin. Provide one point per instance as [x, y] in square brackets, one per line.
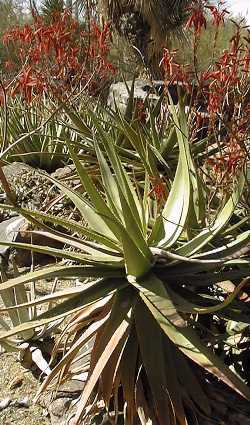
[24, 402]
[45, 413]
[5, 403]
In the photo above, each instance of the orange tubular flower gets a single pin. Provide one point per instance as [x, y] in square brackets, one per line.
[56, 51]
[228, 163]
[158, 188]
[218, 14]
[197, 20]
[167, 61]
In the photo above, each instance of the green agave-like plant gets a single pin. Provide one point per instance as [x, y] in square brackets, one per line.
[145, 263]
[33, 134]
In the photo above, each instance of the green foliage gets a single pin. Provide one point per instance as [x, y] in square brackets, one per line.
[157, 241]
[146, 258]
[33, 134]
[50, 8]
[11, 14]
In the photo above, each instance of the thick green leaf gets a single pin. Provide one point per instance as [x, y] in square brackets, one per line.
[89, 213]
[109, 182]
[133, 229]
[122, 206]
[78, 122]
[138, 258]
[121, 175]
[95, 197]
[136, 262]
[237, 246]
[92, 292]
[128, 375]
[97, 251]
[222, 218]
[61, 271]
[189, 343]
[153, 354]
[156, 292]
[197, 202]
[61, 253]
[175, 212]
[71, 225]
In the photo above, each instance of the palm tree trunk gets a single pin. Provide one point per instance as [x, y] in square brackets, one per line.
[147, 24]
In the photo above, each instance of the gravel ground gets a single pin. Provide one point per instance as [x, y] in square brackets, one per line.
[17, 384]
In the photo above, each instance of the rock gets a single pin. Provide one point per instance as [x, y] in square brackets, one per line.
[58, 410]
[64, 172]
[35, 191]
[15, 171]
[24, 257]
[17, 229]
[9, 230]
[5, 403]
[61, 409]
[119, 93]
[73, 386]
[22, 403]
[32, 187]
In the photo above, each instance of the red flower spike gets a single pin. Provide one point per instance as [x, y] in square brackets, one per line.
[197, 19]
[218, 14]
[54, 53]
[158, 188]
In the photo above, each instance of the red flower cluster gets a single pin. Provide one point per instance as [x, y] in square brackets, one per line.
[226, 75]
[55, 54]
[159, 189]
[198, 19]
[218, 14]
[101, 37]
[101, 40]
[219, 99]
[172, 70]
[28, 82]
[226, 165]
[167, 63]
[23, 34]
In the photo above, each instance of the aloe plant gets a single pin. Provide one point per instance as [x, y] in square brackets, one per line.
[33, 135]
[146, 261]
